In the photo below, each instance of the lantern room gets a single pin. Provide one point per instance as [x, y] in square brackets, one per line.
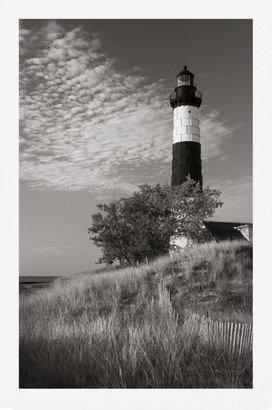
[185, 92]
[185, 77]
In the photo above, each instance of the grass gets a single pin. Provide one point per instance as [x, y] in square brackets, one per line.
[125, 328]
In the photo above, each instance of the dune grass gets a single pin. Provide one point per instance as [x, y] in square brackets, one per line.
[125, 328]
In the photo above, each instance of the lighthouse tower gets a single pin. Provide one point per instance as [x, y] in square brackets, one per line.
[185, 101]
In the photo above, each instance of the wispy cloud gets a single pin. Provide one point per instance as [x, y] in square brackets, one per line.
[237, 199]
[86, 122]
[57, 250]
[214, 134]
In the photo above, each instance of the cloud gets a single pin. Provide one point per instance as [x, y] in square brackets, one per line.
[237, 199]
[214, 133]
[57, 250]
[89, 123]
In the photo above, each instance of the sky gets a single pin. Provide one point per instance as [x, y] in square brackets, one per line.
[95, 122]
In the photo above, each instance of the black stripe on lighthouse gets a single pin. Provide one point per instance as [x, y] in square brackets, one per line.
[186, 160]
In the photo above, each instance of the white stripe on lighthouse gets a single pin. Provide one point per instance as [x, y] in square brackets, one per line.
[186, 124]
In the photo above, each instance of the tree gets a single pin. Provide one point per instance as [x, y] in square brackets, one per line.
[139, 227]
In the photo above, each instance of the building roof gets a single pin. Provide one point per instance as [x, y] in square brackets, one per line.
[243, 225]
[225, 230]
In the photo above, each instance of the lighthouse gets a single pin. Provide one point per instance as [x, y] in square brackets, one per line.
[185, 101]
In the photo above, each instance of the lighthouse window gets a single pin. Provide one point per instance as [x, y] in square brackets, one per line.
[184, 79]
[189, 111]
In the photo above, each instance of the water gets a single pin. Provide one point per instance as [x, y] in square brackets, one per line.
[29, 284]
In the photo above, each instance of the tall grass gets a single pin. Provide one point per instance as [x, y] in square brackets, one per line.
[125, 329]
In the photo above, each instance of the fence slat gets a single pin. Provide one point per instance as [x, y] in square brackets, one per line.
[248, 337]
[231, 336]
[251, 337]
[241, 339]
[224, 333]
[245, 338]
[234, 337]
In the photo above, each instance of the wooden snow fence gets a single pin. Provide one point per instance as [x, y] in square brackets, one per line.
[236, 338]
